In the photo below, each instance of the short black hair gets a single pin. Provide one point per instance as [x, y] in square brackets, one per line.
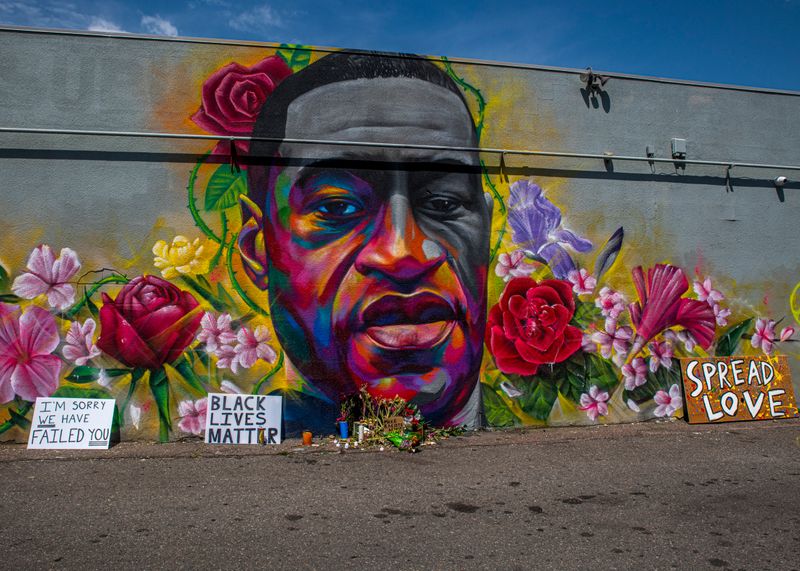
[332, 68]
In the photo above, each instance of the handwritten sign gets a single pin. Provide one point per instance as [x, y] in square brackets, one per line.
[724, 389]
[63, 423]
[243, 419]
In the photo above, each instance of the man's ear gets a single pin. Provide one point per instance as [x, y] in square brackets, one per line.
[251, 243]
[489, 203]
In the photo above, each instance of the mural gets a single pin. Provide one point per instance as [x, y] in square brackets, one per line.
[321, 266]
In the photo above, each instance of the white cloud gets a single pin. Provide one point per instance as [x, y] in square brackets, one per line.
[158, 26]
[256, 19]
[98, 24]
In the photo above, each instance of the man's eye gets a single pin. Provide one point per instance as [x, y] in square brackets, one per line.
[442, 205]
[337, 208]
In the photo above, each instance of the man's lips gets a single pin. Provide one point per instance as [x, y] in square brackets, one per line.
[419, 321]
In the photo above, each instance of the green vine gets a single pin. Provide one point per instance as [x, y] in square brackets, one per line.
[235, 283]
[268, 376]
[73, 311]
[495, 193]
[198, 220]
[466, 86]
[215, 260]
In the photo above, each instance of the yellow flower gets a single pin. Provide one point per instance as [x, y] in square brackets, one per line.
[182, 257]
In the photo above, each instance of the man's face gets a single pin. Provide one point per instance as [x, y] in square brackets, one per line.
[377, 256]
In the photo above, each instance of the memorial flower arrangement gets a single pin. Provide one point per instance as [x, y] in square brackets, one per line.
[564, 344]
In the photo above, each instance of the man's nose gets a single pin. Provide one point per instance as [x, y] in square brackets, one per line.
[398, 249]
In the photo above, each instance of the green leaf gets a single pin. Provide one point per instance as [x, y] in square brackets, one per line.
[296, 56]
[497, 413]
[4, 278]
[224, 188]
[184, 367]
[90, 393]
[160, 389]
[586, 313]
[728, 343]
[19, 419]
[600, 372]
[573, 383]
[544, 396]
[83, 374]
[90, 305]
[9, 298]
[117, 372]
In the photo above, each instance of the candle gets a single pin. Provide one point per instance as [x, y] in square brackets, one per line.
[306, 438]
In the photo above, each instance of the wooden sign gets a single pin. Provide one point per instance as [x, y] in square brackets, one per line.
[394, 424]
[723, 389]
[65, 423]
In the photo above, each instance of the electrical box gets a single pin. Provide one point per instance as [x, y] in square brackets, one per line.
[678, 148]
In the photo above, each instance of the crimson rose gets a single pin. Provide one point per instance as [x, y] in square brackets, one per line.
[530, 325]
[233, 95]
[150, 322]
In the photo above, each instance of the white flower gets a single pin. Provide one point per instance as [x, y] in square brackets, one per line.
[80, 348]
[50, 276]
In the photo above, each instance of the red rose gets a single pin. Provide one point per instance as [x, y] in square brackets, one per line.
[150, 323]
[530, 325]
[233, 95]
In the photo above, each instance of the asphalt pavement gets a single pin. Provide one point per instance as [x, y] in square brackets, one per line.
[645, 496]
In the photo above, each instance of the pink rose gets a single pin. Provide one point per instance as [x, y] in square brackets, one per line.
[233, 96]
[150, 323]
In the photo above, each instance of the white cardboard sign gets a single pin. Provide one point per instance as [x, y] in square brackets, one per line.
[62, 423]
[238, 419]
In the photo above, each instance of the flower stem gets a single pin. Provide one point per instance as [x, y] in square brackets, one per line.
[215, 260]
[203, 292]
[73, 311]
[136, 374]
[198, 220]
[235, 283]
[495, 194]
[268, 376]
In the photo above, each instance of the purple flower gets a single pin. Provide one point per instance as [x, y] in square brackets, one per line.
[536, 223]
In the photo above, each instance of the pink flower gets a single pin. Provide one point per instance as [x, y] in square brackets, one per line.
[688, 341]
[513, 266]
[661, 354]
[27, 365]
[594, 403]
[721, 314]
[707, 293]
[613, 337]
[80, 348]
[216, 331]
[49, 275]
[193, 416]
[660, 307]
[610, 302]
[764, 336]
[635, 373]
[668, 402]
[582, 281]
[786, 332]
[587, 344]
[253, 346]
[227, 358]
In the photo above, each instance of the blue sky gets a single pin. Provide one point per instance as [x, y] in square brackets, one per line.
[752, 43]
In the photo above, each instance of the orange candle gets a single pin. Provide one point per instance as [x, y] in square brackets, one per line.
[306, 438]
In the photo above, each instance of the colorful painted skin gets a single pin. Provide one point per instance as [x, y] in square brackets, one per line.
[316, 269]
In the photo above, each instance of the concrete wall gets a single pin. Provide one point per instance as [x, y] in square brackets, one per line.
[405, 229]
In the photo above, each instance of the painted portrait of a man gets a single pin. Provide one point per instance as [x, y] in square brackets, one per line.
[368, 228]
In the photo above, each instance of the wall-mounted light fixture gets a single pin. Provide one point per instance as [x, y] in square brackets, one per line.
[594, 82]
